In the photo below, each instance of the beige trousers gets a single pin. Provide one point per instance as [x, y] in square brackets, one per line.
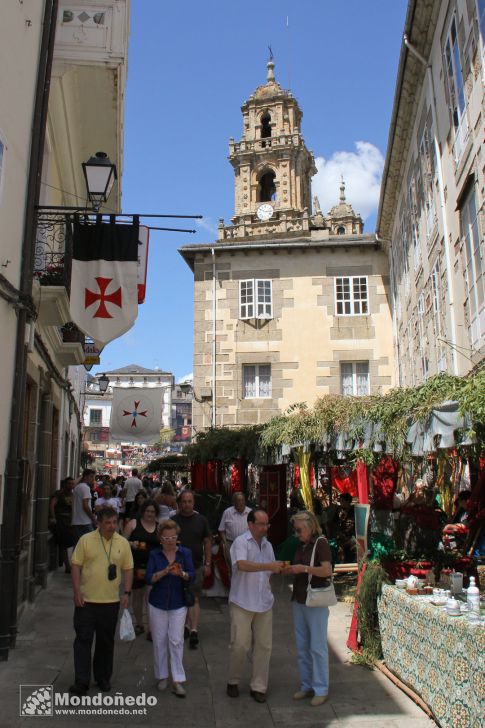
[250, 629]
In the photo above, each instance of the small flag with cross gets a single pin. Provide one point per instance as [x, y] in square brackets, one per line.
[104, 279]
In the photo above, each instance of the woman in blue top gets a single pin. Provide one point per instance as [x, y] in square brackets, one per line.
[168, 568]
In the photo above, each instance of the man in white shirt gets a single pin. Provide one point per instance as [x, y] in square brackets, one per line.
[251, 601]
[132, 486]
[83, 519]
[234, 523]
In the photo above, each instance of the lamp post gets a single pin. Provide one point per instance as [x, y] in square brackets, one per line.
[100, 175]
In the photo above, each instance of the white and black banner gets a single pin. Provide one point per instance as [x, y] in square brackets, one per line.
[104, 279]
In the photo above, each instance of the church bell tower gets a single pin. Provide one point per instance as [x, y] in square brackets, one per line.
[272, 166]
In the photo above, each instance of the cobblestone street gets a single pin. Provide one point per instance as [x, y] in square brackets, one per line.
[358, 696]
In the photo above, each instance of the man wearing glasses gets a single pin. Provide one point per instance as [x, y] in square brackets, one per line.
[251, 601]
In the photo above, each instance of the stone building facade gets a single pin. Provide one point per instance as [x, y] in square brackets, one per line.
[431, 209]
[64, 102]
[289, 303]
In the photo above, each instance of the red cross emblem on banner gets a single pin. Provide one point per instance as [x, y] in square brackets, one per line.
[91, 298]
[135, 414]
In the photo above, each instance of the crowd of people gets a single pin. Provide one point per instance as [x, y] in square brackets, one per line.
[146, 545]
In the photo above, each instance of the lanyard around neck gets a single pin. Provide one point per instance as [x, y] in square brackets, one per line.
[108, 555]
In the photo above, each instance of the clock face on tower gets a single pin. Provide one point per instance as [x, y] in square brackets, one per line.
[265, 212]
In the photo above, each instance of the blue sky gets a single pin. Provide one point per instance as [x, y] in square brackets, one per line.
[190, 67]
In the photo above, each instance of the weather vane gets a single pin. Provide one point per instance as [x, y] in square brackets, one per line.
[270, 53]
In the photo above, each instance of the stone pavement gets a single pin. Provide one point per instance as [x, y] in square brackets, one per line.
[358, 696]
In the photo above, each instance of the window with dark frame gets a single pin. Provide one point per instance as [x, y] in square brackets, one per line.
[257, 381]
[95, 417]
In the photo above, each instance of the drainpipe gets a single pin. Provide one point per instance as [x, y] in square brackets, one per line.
[14, 470]
[214, 330]
[449, 277]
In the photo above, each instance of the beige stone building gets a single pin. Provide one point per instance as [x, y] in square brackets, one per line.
[289, 303]
[431, 208]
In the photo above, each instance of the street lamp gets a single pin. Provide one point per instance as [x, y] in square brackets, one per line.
[100, 175]
[103, 382]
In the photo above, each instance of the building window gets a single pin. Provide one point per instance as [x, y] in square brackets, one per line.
[267, 187]
[265, 126]
[255, 299]
[354, 378]
[456, 90]
[95, 417]
[256, 381]
[351, 297]
[340, 230]
[474, 265]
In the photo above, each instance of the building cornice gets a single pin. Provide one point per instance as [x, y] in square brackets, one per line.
[420, 25]
[189, 252]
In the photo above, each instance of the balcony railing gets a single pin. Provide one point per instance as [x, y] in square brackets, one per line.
[53, 250]
[279, 140]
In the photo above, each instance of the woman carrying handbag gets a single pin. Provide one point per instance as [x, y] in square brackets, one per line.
[170, 571]
[313, 593]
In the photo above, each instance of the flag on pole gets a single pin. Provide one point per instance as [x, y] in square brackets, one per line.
[136, 414]
[104, 279]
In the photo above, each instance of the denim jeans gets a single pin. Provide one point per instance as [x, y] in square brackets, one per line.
[310, 625]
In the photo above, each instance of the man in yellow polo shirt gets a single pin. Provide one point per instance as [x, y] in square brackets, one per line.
[98, 562]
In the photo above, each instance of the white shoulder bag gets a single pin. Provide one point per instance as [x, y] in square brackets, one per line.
[322, 596]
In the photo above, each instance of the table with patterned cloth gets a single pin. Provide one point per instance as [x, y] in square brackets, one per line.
[441, 658]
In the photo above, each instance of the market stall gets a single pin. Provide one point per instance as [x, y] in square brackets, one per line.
[440, 657]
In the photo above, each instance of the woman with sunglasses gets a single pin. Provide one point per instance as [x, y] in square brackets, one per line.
[310, 623]
[169, 568]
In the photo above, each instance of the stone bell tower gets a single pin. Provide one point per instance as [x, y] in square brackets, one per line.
[272, 166]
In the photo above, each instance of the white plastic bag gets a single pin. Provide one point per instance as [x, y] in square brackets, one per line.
[127, 631]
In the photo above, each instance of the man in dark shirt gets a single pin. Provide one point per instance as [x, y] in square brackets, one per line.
[194, 535]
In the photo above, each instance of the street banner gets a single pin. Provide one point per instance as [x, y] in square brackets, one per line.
[104, 279]
[143, 241]
[136, 414]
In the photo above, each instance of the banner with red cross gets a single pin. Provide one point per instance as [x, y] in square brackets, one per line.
[136, 414]
[104, 279]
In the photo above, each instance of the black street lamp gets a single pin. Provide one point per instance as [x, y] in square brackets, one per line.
[103, 382]
[100, 175]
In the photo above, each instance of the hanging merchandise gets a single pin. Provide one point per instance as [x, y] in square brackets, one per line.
[344, 479]
[104, 279]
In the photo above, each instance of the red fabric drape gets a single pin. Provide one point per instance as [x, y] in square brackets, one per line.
[237, 476]
[296, 476]
[384, 483]
[345, 482]
[206, 476]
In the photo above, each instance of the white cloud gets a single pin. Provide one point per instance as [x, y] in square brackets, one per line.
[362, 172]
[208, 224]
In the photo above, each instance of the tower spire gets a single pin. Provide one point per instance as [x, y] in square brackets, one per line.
[342, 189]
[270, 66]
